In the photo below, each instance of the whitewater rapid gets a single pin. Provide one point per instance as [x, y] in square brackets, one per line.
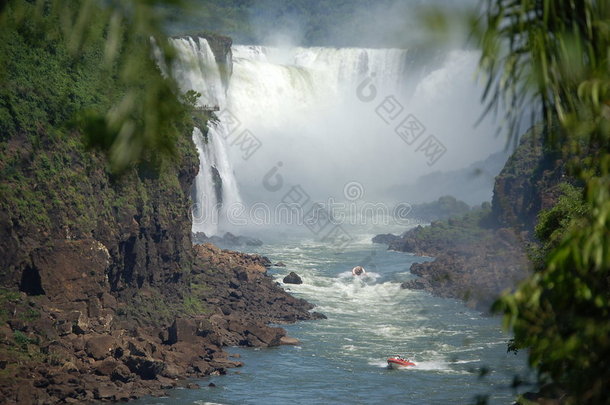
[342, 359]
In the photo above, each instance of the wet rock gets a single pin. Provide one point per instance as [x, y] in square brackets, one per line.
[121, 373]
[100, 347]
[222, 364]
[174, 370]
[292, 278]
[146, 369]
[193, 386]
[105, 367]
[202, 367]
[182, 330]
[166, 383]
[106, 391]
[287, 340]
[279, 264]
[267, 335]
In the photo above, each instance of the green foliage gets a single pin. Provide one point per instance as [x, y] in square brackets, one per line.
[551, 55]
[193, 306]
[22, 340]
[554, 56]
[129, 111]
[553, 223]
[465, 229]
[193, 302]
[58, 79]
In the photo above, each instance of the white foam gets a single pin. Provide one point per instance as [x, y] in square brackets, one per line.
[378, 363]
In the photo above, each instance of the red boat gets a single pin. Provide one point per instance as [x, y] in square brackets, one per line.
[396, 362]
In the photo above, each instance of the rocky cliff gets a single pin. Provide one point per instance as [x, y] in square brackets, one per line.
[527, 184]
[102, 295]
[482, 253]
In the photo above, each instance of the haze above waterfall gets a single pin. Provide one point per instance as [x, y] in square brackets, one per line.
[331, 23]
[302, 104]
[319, 129]
[323, 118]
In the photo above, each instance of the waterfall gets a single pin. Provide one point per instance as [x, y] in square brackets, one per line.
[303, 107]
[215, 186]
[196, 69]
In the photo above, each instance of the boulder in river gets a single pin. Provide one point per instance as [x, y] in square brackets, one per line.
[293, 278]
[287, 340]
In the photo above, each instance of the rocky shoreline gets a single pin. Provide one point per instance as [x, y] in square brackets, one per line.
[476, 272]
[97, 353]
[479, 255]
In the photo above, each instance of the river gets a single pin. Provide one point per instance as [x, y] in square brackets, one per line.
[342, 360]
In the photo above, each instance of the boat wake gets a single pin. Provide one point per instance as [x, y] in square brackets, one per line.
[439, 366]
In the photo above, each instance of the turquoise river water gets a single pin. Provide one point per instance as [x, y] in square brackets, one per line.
[342, 360]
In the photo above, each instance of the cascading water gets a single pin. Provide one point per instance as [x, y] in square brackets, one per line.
[303, 108]
[215, 185]
[196, 69]
[316, 131]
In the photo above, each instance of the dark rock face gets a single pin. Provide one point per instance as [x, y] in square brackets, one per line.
[475, 273]
[124, 234]
[292, 278]
[103, 302]
[259, 298]
[97, 268]
[527, 184]
[493, 258]
[94, 358]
